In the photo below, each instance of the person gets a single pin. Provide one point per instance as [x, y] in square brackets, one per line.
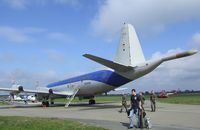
[124, 103]
[142, 100]
[134, 108]
[25, 99]
[153, 101]
[142, 112]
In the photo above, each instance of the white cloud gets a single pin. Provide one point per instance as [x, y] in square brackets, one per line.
[23, 4]
[59, 36]
[55, 55]
[74, 3]
[195, 42]
[18, 35]
[17, 4]
[13, 34]
[146, 15]
[26, 34]
[33, 30]
[169, 52]
[7, 56]
[28, 79]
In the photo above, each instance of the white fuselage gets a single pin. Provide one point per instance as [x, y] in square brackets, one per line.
[96, 86]
[87, 87]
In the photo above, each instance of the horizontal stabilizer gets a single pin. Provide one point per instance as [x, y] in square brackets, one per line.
[108, 63]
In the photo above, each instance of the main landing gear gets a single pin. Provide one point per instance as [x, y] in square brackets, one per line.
[92, 101]
[45, 103]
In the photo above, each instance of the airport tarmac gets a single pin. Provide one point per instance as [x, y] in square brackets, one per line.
[167, 116]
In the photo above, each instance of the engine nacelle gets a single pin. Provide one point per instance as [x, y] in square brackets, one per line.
[17, 89]
[20, 88]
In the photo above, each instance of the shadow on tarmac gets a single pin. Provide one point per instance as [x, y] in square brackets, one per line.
[83, 105]
[125, 124]
[105, 105]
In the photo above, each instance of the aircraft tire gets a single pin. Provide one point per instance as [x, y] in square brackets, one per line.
[92, 101]
[43, 103]
[47, 104]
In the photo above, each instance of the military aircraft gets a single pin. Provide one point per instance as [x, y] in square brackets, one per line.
[128, 64]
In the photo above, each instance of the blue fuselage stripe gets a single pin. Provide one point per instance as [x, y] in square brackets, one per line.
[104, 76]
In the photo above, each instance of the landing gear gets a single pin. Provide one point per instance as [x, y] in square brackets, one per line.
[47, 100]
[92, 101]
[45, 103]
[51, 101]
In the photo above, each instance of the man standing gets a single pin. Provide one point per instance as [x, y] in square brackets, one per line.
[153, 101]
[124, 104]
[134, 106]
[142, 111]
[142, 100]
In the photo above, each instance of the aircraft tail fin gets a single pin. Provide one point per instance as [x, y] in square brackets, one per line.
[129, 51]
[108, 63]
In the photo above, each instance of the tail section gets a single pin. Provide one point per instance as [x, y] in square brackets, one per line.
[129, 51]
[108, 63]
[128, 55]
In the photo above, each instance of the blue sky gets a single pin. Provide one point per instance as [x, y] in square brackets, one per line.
[44, 40]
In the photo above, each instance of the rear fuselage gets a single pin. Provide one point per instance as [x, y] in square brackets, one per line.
[102, 81]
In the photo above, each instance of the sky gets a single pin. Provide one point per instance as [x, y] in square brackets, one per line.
[44, 40]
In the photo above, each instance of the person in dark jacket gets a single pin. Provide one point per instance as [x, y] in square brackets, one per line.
[135, 105]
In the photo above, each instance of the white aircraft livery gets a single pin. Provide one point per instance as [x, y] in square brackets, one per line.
[128, 64]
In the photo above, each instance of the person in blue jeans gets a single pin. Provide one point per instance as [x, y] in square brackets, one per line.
[134, 108]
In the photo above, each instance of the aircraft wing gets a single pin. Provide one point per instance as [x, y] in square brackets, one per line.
[45, 91]
[8, 89]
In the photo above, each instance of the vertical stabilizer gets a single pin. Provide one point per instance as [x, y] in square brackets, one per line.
[129, 51]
